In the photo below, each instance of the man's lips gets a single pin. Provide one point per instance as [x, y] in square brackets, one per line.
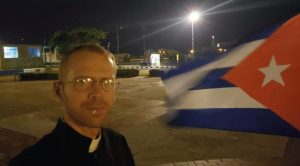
[96, 110]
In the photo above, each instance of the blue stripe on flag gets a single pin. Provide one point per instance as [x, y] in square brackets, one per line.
[241, 119]
[214, 80]
[190, 66]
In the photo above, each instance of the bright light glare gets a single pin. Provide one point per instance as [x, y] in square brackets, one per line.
[194, 16]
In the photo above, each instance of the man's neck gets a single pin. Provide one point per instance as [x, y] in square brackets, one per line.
[86, 131]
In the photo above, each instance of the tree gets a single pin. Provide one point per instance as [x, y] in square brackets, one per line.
[64, 40]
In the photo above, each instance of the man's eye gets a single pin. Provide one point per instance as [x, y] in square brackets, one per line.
[82, 81]
[108, 82]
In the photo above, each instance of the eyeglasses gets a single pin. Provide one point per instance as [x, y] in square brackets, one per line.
[85, 83]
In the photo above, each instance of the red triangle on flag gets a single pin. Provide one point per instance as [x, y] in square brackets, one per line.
[271, 74]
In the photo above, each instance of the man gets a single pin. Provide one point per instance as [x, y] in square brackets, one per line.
[86, 88]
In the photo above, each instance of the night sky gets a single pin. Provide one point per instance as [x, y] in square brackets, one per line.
[163, 22]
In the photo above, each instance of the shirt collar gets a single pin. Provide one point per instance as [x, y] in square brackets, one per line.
[75, 139]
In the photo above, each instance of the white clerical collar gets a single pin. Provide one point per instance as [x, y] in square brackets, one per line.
[94, 144]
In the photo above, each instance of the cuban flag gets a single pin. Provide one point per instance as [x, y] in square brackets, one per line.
[255, 88]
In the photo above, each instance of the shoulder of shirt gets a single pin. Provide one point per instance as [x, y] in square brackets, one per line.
[49, 144]
[111, 131]
[112, 135]
[117, 146]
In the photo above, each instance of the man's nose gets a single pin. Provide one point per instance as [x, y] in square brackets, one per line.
[96, 92]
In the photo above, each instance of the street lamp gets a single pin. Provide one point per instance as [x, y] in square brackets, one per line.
[118, 42]
[194, 16]
[108, 44]
[213, 42]
[144, 39]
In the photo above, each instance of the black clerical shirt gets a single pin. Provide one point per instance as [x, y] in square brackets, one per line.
[66, 147]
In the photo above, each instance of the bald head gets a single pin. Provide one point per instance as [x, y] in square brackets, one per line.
[88, 47]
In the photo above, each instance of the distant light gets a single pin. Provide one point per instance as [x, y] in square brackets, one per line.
[218, 45]
[213, 36]
[192, 51]
[220, 49]
[194, 16]
[225, 50]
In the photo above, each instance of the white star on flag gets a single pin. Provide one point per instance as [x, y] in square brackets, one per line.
[273, 72]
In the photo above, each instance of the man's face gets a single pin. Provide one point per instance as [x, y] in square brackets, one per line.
[87, 108]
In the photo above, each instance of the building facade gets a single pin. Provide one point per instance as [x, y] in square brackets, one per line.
[20, 56]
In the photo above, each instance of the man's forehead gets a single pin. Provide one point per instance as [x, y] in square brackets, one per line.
[87, 54]
[91, 71]
[88, 58]
[82, 62]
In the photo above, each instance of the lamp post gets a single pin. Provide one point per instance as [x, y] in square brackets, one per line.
[213, 42]
[108, 44]
[144, 39]
[118, 41]
[194, 16]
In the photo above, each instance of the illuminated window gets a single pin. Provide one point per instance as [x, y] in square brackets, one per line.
[10, 52]
[34, 52]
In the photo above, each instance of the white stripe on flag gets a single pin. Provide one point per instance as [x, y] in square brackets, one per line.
[179, 84]
[216, 98]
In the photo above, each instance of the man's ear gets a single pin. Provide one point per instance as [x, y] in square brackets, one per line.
[57, 89]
